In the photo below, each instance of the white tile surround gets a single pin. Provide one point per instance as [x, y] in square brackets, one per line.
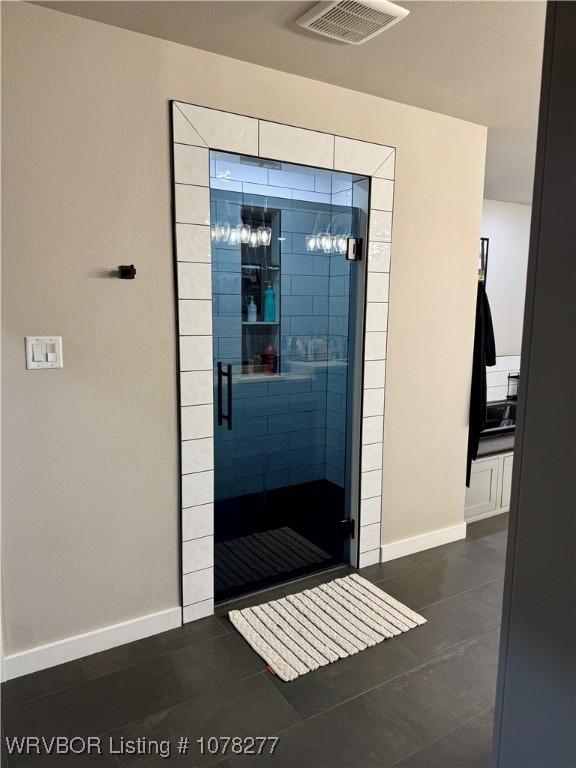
[196, 130]
[497, 376]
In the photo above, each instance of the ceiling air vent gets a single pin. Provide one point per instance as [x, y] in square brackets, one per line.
[350, 21]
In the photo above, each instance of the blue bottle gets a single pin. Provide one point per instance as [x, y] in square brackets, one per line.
[269, 304]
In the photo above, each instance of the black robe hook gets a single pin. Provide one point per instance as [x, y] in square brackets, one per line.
[127, 272]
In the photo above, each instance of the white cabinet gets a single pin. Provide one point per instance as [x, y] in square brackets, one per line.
[482, 495]
[490, 484]
[506, 480]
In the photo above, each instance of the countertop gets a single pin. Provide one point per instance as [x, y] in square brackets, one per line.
[490, 446]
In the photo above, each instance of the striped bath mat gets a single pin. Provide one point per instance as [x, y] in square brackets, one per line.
[309, 629]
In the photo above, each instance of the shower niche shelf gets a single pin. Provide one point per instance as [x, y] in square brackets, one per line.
[261, 275]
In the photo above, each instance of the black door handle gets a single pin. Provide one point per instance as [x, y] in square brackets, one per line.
[227, 417]
[229, 376]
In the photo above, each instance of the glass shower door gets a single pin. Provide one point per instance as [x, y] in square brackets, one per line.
[285, 325]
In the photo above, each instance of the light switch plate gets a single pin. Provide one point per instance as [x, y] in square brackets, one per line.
[43, 352]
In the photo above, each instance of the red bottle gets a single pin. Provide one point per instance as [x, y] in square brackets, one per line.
[270, 359]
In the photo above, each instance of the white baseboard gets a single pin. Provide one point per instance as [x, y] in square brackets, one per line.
[409, 546]
[70, 648]
[491, 513]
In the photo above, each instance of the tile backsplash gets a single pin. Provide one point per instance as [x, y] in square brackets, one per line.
[497, 376]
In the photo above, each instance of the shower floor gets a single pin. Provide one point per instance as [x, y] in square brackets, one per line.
[266, 538]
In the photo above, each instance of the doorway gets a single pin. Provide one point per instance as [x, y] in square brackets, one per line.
[288, 321]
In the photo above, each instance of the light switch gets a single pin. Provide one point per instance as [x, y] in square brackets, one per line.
[43, 352]
[39, 353]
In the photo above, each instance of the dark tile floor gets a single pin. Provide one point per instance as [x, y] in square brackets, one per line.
[422, 699]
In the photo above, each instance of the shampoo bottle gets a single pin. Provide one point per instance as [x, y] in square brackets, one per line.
[251, 311]
[269, 304]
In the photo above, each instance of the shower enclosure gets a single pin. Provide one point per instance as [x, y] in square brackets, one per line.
[288, 327]
[282, 345]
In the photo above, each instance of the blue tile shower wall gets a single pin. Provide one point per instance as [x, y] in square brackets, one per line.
[291, 429]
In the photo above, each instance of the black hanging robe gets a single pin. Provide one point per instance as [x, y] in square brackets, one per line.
[484, 354]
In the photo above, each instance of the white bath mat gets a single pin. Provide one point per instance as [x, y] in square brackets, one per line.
[309, 629]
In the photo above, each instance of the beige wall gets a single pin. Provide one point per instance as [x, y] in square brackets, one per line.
[508, 227]
[90, 474]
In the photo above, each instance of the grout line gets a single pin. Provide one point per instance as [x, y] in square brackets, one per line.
[428, 565]
[442, 735]
[185, 541]
[6, 705]
[177, 704]
[444, 599]
[196, 370]
[278, 690]
[195, 405]
[191, 261]
[445, 652]
[482, 638]
[464, 592]
[185, 116]
[187, 144]
[89, 679]
[388, 156]
[190, 184]
[206, 536]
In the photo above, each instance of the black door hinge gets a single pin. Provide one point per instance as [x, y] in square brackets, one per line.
[347, 527]
[354, 249]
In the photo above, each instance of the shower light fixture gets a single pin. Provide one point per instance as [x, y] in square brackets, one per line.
[326, 242]
[341, 243]
[264, 235]
[244, 233]
[222, 233]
